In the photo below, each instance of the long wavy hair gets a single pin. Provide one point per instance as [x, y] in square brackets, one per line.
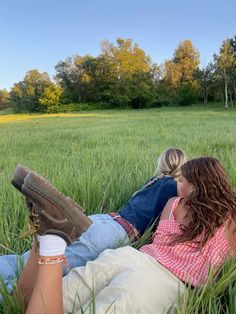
[210, 203]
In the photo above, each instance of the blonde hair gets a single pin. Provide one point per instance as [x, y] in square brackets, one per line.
[170, 162]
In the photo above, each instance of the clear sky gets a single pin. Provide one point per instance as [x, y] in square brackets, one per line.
[38, 34]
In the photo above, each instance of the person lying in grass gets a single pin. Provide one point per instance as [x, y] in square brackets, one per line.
[196, 233]
[114, 229]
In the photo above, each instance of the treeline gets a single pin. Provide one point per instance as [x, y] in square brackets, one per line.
[124, 76]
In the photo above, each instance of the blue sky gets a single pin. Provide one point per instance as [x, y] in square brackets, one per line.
[38, 34]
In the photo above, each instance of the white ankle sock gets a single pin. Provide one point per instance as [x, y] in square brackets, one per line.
[51, 245]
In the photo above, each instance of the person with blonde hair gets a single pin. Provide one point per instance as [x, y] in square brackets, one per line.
[170, 162]
[116, 228]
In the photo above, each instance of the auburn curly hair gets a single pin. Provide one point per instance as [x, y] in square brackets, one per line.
[211, 202]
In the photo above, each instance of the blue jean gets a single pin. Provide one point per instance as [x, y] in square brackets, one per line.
[104, 233]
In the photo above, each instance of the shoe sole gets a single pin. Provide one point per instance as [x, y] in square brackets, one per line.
[37, 188]
[18, 176]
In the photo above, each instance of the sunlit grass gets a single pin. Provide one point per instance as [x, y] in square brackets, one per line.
[24, 117]
[101, 158]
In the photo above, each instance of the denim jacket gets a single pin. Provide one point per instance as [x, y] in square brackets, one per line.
[147, 204]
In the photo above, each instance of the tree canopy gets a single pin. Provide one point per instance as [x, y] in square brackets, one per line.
[27, 95]
[4, 99]
[122, 75]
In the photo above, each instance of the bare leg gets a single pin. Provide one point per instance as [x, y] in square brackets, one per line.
[47, 294]
[27, 280]
[40, 286]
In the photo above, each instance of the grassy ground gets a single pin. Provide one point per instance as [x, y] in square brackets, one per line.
[101, 158]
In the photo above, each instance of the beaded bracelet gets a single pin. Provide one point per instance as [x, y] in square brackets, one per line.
[51, 260]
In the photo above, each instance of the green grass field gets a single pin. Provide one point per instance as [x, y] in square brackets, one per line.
[100, 158]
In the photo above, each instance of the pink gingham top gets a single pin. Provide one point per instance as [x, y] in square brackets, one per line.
[185, 260]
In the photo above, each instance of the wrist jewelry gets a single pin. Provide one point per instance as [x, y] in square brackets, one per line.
[51, 260]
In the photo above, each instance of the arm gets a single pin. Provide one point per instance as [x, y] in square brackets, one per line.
[230, 234]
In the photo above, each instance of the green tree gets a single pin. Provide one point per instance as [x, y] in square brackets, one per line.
[129, 58]
[205, 77]
[233, 76]
[111, 77]
[186, 59]
[72, 75]
[50, 99]
[178, 83]
[4, 99]
[225, 63]
[25, 95]
[130, 72]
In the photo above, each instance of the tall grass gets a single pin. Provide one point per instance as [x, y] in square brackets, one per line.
[101, 158]
[218, 295]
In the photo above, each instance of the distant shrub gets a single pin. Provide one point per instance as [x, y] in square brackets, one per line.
[71, 107]
[187, 95]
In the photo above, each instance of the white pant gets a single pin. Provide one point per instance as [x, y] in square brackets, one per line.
[121, 281]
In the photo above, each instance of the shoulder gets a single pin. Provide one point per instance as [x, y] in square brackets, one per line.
[168, 208]
[165, 186]
[168, 181]
[171, 202]
[168, 186]
[229, 233]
